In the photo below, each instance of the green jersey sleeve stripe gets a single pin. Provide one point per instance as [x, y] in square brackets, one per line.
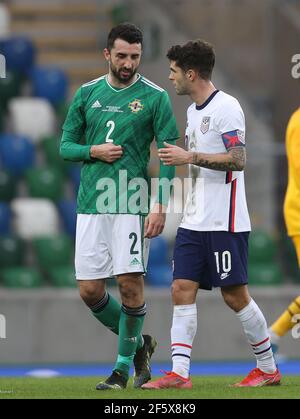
[153, 86]
[90, 83]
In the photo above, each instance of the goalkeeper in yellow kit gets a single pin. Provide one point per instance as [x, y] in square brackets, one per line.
[289, 318]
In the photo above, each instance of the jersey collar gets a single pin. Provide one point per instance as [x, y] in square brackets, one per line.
[209, 99]
[123, 88]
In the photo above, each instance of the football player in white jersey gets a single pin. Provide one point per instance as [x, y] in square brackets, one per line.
[211, 247]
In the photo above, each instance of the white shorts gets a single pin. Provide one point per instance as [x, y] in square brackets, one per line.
[109, 245]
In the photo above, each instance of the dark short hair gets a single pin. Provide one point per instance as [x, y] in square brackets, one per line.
[126, 31]
[197, 55]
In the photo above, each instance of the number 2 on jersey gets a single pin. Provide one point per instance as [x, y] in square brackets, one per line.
[111, 125]
[132, 248]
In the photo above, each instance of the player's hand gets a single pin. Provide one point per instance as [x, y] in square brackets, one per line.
[155, 222]
[106, 152]
[172, 155]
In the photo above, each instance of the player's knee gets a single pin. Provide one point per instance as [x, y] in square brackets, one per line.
[175, 289]
[90, 293]
[131, 294]
[236, 297]
[131, 286]
[229, 300]
[181, 293]
[234, 302]
[128, 291]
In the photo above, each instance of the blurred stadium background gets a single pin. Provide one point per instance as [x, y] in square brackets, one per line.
[51, 48]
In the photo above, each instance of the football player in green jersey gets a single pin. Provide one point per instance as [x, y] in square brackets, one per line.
[118, 116]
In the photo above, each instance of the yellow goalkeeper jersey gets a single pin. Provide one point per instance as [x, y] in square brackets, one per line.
[292, 197]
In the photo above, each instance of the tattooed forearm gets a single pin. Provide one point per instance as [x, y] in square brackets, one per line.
[234, 160]
[239, 156]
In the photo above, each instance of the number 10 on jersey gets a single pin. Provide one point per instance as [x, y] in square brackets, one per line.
[223, 259]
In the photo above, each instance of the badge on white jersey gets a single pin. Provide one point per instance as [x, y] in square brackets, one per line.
[205, 124]
[241, 136]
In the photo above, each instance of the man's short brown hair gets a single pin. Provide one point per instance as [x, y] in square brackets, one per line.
[197, 55]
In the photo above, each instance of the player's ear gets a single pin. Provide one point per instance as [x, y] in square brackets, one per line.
[190, 75]
[106, 54]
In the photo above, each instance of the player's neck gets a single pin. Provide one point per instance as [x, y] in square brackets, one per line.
[202, 91]
[114, 82]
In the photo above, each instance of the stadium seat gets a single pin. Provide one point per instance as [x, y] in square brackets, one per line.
[265, 274]
[8, 186]
[10, 87]
[4, 22]
[50, 83]
[32, 117]
[5, 218]
[11, 251]
[19, 53]
[53, 251]
[45, 182]
[262, 247]
[50, 147]
[159, 276]
[63, 276]
[67, 209]
[21, 277]
[158, 252]
[16, 153]
[35, 217]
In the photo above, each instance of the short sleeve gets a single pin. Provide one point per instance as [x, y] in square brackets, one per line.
[231, 118]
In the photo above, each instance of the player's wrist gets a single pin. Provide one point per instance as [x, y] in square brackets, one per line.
[159, 208]
[96, 152]
[92, 152]
[191, 157]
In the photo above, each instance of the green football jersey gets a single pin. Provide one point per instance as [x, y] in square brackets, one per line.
[131, 117]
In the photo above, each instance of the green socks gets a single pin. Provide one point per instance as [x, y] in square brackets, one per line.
[130, 327]
[108, 312]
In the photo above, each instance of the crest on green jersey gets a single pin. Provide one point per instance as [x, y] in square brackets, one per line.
[135, 106]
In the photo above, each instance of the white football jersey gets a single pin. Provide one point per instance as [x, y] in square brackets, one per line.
[216, 200]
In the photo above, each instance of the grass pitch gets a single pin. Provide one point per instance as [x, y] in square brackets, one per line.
[204, 387]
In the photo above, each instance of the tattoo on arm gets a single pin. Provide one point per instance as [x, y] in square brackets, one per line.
[234, 160]
[239, 156]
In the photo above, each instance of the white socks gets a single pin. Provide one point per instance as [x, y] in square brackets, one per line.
[256, 330]
[183, 331]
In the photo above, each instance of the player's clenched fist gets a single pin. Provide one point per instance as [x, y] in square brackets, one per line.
[106, 152]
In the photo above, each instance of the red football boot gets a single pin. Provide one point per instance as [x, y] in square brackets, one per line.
[170, 380]
[258, 378]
